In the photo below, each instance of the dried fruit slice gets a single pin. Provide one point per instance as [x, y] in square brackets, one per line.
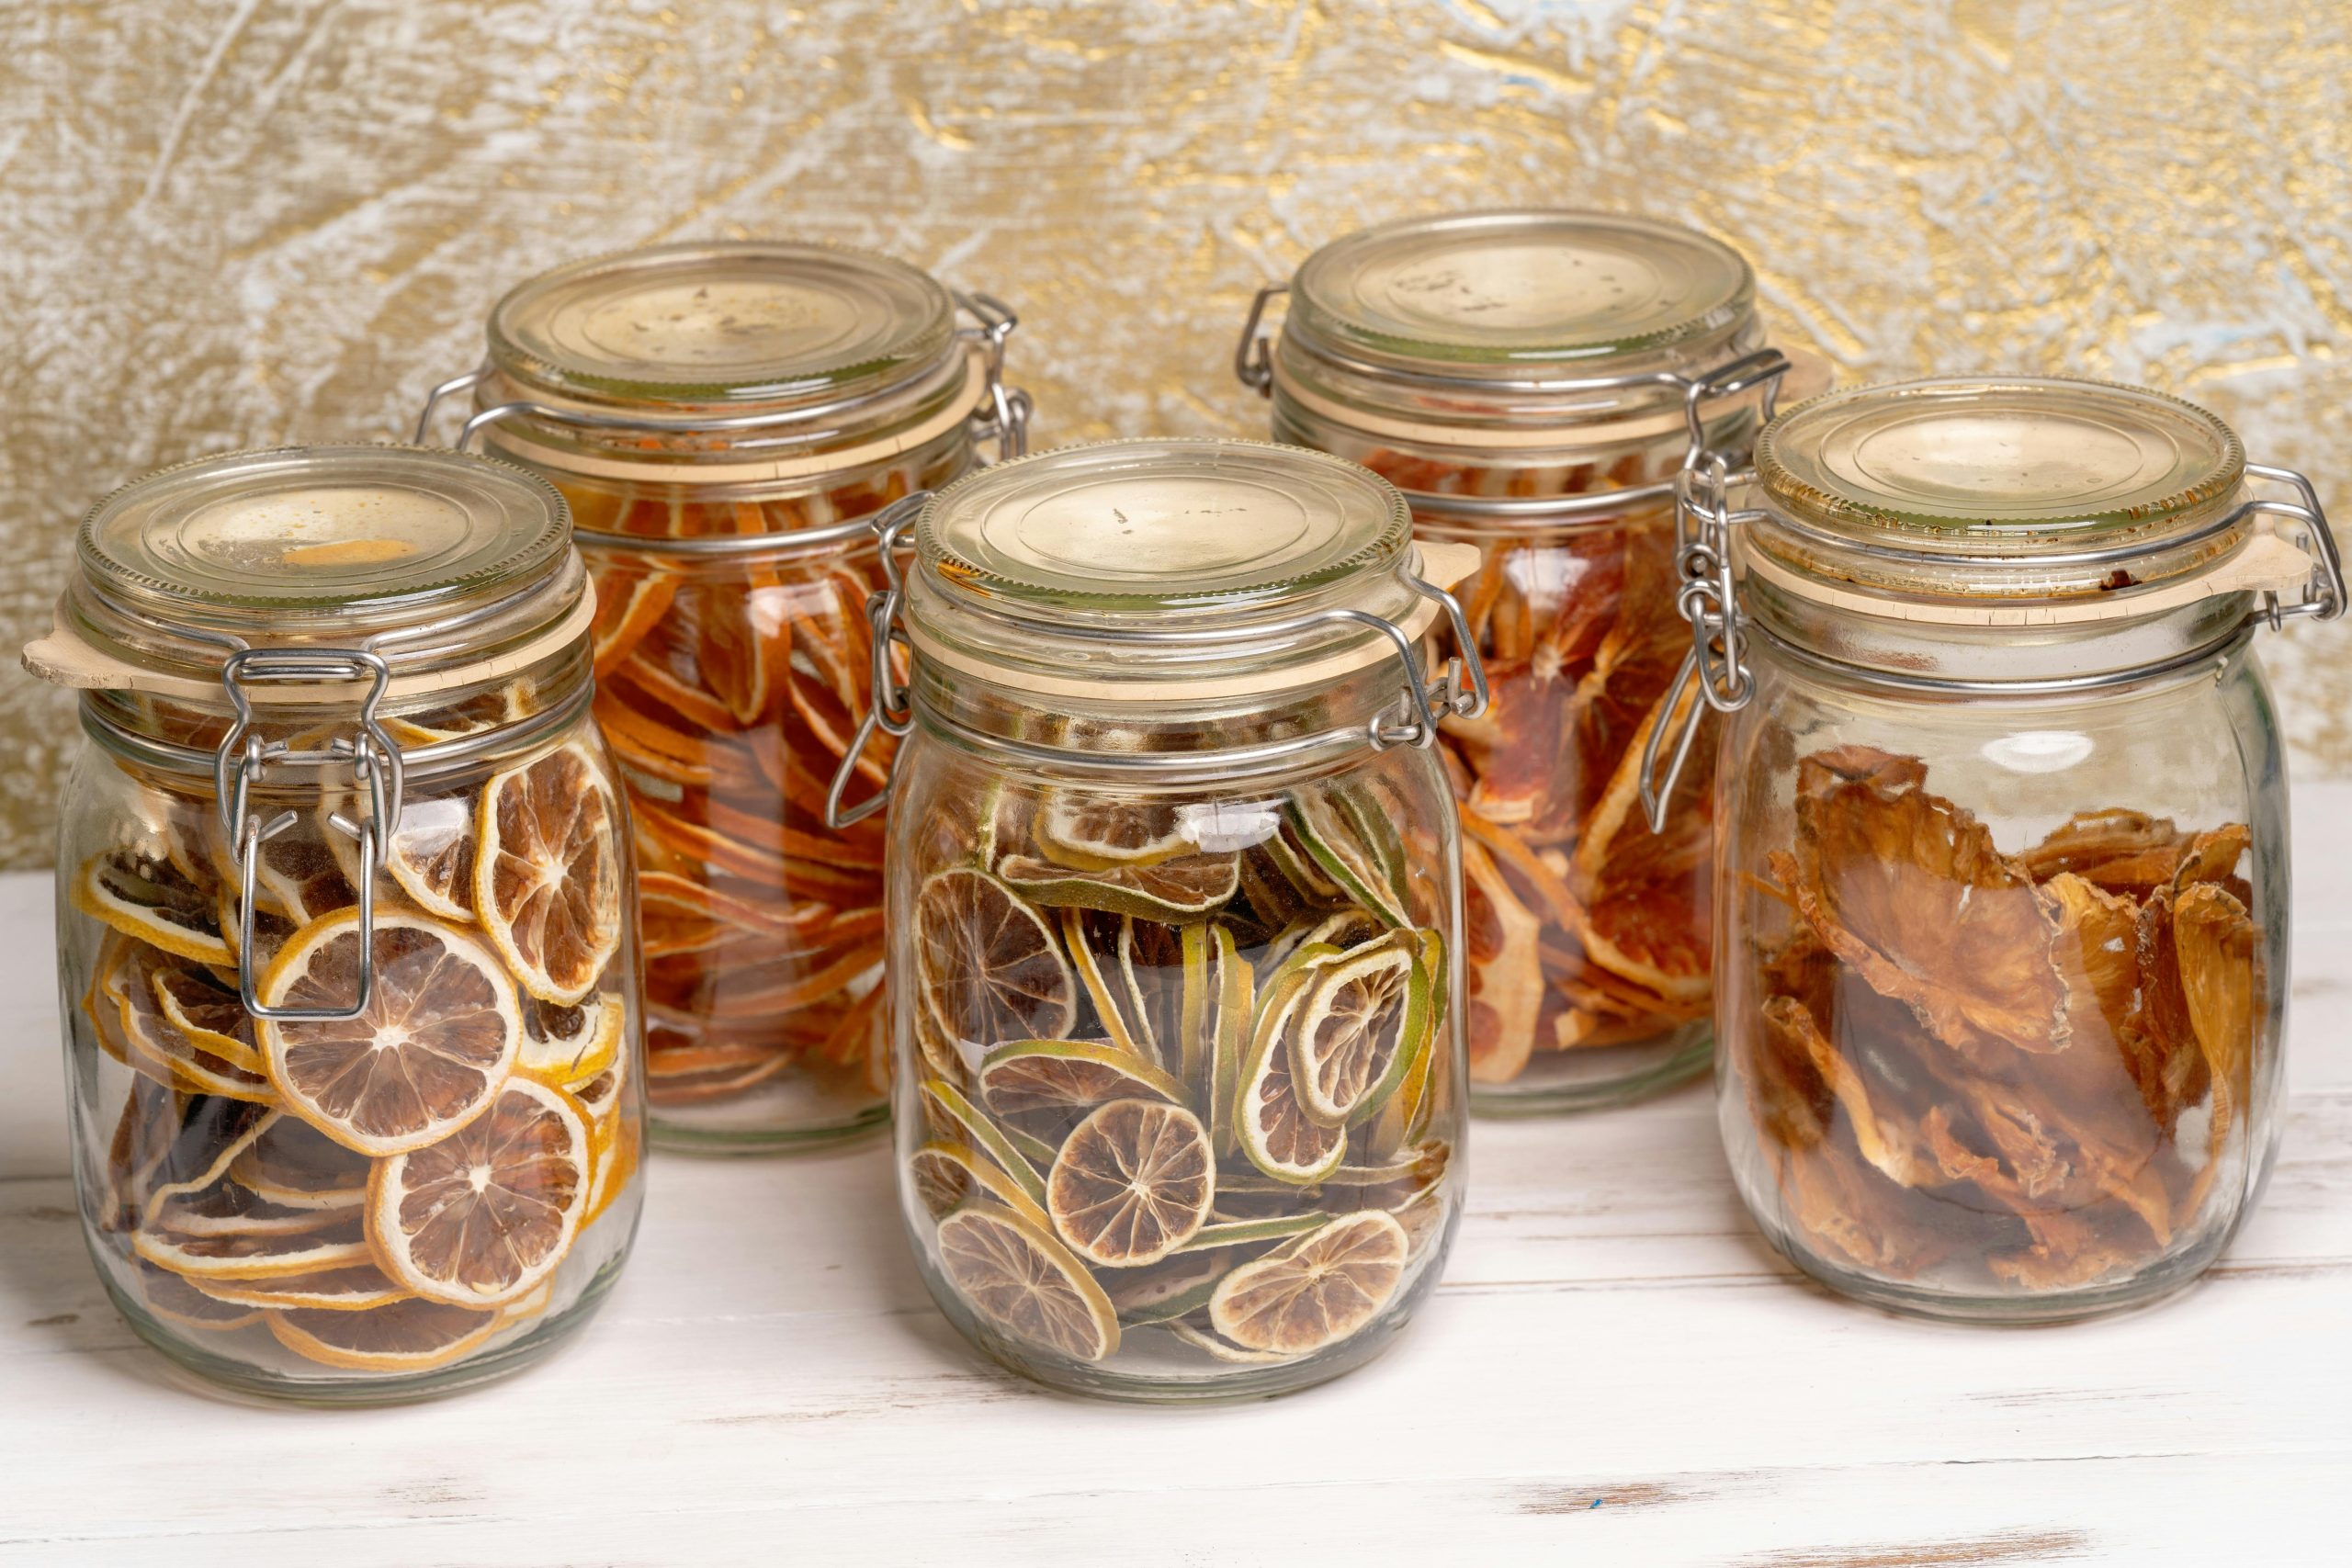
[989, 967]
[142, 894]
[1505, 993]
[431, 856]
[946, 1175]
[178, 1301]
[226, 1209]
[1168, 890]
[1270, 1128]
[956, 1117]
[1234, 985]
[295, 1166]
[207, 1013]
[355, 1289]
[547, 872]
[1356, 849]
[1132, 1182]
[1176, 1287]
[297, 874]
[1088, 831]
[1315, 1291]
[1045, 1086]
[569, 1045]
[483, 1216]
[339, 1246]
[156, 1046]
[629, 603]
[1362, 1023]
[404, 1337]
[1119, 1013]
[1251, 1233]
[440, 1035]
[1225, 1350]
[1025, 1283]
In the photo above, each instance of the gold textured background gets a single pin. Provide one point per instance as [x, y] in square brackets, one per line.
[237, 222]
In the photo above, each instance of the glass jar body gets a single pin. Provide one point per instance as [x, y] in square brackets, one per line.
[1100, 979]
[730, 686]
[2001, 982]
[271, 1206]
[1588, 938]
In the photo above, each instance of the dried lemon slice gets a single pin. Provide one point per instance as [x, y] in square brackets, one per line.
[547, 872]
[1132, 1182]
[295, 1166]
[1315, 1292]
[947, 1174]
[146, 897]
[178, 1301]
[1087, 831]
[155, 1045]
[1361, 1025]
[481, 1217]
[570, 1045]
[1025, 1283]
[440, 1035]
[404, 1336]
[430, 855]
[339, 1246]
[989, 967]
[354, 1289]
[1044, 1086]
[208, 1013]
[299, 875]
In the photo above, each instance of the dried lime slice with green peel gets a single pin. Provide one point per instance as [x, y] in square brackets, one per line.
[1088, 831]
[954, 1117]
[1175, 1287]
[1272, 1130]
[1023, 1283]
[1233, 988]
[1166, 890]
[948, 1174]
[1358, 1029]
[1044, 1087]
[1115, 1010]
[1316, 1290]
[987, 963]
[1249, 1233]
[1356, 847]
[1132, 1182]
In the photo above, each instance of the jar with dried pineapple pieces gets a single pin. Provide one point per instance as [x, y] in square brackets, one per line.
[722, 417]
[1532, 381]
[2002, 973]
[1174, 911]
[353, 1045]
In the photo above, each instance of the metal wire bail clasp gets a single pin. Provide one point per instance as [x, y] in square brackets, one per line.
[1458, 691]
[889, 708]
[1253, 363]
[2324, 599]
[1715, 671]
[1009, 406]
[242, 759]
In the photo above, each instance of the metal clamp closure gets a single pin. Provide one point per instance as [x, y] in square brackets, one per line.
[887, 707]
[1008, 420]
[2324, 599]
[1253, 363]
[242, 759]
[1707, 598]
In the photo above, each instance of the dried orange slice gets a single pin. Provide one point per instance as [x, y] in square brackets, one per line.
[144, 896]
[616, 1158]
[629, 603]
[440, 1032]
[483, 1216]
[404, 1336]
[569, 1045]
[1314, 1291]
[1132, 1182]
[547, 872]
[989, 967]
[1024, 1283]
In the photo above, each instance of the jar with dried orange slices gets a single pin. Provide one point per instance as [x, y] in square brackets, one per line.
[1533, 381]
[1174, 911]
[345, 921]
[721, 417]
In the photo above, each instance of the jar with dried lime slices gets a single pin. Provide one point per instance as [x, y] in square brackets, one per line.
[721, 417]
[344, 922]
[1174, 905]
[1533, 381]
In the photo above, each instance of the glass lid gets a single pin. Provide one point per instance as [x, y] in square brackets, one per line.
[2016, 464]
[720, 321]
[1510, 288]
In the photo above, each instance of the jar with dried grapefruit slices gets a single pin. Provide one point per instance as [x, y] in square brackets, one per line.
[344, 922]
[1532, 381]
[722, 417]
[1174, 908]
[2005, 947]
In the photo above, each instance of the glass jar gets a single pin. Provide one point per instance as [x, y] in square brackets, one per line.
[721, 417]
[1533, 382]
[1174, 905]
[2003, 897]
[345, 934]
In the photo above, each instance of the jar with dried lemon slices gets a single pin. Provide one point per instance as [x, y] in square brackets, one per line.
[1175, 913]
[1533, 381]
[344, 922]
[2003, 947]
[721, 416]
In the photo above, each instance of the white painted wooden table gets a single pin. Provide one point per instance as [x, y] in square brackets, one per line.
[1616, 1371]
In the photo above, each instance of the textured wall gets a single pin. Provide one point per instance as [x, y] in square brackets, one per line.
[233, 222]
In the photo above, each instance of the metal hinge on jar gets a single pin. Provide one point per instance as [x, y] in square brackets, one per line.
[369, 754]
[1460, 689]
[1716, 665]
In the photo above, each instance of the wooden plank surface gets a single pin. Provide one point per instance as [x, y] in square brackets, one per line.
[1616, 1368]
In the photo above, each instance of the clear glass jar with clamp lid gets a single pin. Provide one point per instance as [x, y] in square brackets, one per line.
[1533, 381]
[1174, 911]
[345, 925]
[2003, 954]
[723, 417]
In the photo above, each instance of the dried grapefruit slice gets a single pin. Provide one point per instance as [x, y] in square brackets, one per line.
[144, 896]
[440, 1035]
[1132, 1182]
[404, 1336]
[1315, 1292]
[1023, 1283]
[483, 1215]
[989, 967]
[547, 872]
